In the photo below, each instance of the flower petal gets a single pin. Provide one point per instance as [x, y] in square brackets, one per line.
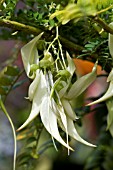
[49, 120]
[68, 109]
[110, 41]
[109, 104]
[30, 54]
[73, 133]
[34, 86]
[81, 84]
[62, 115]
[71, 66]
[110, 77]
[40, 92]
[107, 95]
[64, 89]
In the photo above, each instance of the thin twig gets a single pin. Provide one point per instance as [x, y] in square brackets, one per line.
[104, 10]
[104, 25]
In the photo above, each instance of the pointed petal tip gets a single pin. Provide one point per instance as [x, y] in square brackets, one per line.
[89, 104]
[18, 130]
[95, 102]
[22, 127]
[92, 145]
[25, 124]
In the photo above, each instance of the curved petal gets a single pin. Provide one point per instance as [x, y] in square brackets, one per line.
[71, 66]
[106, 96]
[68, 109]
[49, 120]
[30, 54]
[110, 41]
[33, 86]
[40, 92]
[109, 104]
[81, 84]
[110, 77]
[73, 133]
[64, 89]
[63, 118]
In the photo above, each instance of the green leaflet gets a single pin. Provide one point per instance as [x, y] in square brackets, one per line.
[102, 3]
[109, 104]
[11, 70]
[30, 54]
[5, 81]
[8, 76]
[97, 3]
[81, 84]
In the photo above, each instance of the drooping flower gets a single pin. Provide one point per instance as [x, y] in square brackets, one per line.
[108, 96]
[51, 93]
[109, 92]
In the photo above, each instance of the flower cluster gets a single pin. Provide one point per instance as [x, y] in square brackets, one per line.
[52, 91]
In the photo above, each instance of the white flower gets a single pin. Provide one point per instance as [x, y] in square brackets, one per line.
[52, 100]
[109, 92]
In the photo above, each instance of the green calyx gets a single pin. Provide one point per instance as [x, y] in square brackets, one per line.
[64, 74]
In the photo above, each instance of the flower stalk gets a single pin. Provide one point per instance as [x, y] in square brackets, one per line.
[13, 130]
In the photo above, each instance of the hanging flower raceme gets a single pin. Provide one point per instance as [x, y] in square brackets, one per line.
[51, 91]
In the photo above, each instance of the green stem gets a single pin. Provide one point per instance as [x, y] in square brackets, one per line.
[19, 26]
[61, 52]
[2, 2]
[70, 45]
[105, 26]
[104, 10]
[13, 130]
[56, 38]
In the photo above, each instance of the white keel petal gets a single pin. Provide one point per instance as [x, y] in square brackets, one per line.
[73, 133]
[106, 96]
[49, 120]
[40, 92]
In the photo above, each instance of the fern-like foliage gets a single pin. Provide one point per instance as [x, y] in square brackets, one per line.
[102, 4]
[98, 3]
